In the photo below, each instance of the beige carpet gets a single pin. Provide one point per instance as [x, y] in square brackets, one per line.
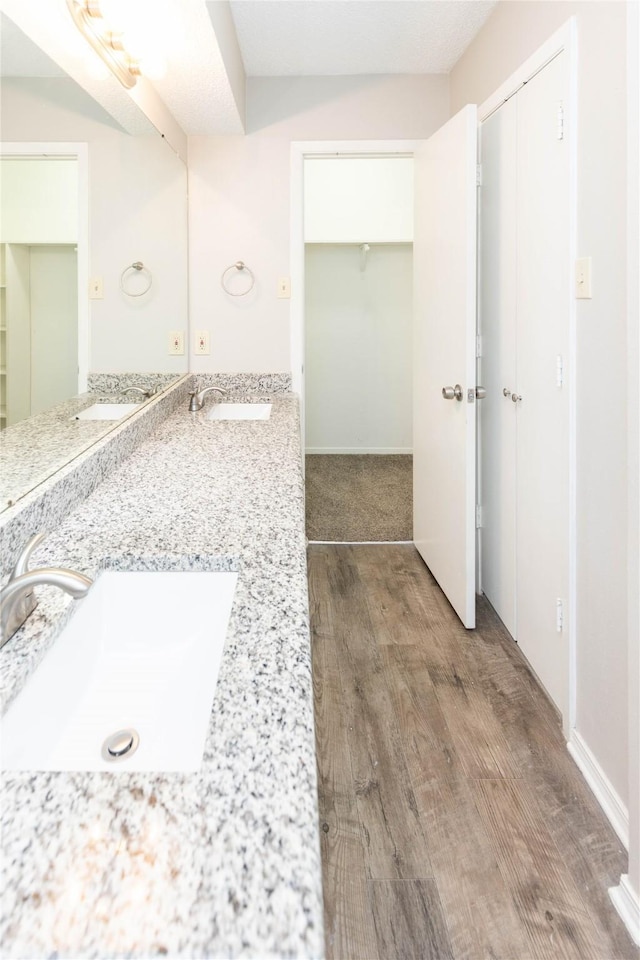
[359, 497]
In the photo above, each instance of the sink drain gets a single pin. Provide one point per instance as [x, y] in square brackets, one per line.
[120, 745]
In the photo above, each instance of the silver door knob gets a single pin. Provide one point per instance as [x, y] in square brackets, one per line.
[480, 393]
[515, 397]
[452, 393]
[505, 392]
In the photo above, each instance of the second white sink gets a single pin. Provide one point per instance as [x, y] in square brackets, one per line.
[106, 411]
[239, 411]
[142, 654]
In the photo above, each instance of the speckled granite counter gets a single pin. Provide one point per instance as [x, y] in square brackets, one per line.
[225, 862]
[32, 449]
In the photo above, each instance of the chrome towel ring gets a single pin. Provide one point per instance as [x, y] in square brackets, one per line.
[137, 267]
[240, 267]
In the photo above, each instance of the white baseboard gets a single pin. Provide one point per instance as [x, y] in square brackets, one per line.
[604, 791]
[627, 903]
[380, 451]
[360, 543]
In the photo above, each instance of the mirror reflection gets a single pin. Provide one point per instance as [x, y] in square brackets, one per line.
[82, 203]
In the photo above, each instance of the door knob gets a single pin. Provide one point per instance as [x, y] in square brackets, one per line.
[452, 393]
[505, 392]
[515, 397]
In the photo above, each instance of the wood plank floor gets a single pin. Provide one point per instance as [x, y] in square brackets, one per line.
[454, 823]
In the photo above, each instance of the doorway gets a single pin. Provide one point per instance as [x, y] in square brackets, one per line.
[358, 270]
[44, 241]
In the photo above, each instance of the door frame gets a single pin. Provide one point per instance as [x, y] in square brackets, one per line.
[564, 40]
[79, 152]
[317, 149]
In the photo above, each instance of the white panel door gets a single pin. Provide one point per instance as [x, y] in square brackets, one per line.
[544, 292]
[498, 312]
[444, 432]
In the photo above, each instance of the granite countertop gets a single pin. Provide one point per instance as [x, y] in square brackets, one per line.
[224, 862]
[32, 449]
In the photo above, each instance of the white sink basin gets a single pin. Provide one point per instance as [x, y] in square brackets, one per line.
[239, 411]
[142, 652]
[106, 411]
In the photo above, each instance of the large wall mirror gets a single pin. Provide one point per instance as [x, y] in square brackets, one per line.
[82, 202]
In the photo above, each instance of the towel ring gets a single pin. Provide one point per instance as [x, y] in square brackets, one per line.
[239, 266]
[138, 267]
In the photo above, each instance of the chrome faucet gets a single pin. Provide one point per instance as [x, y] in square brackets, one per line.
[197, 398]
[17, 601]
[146, 393]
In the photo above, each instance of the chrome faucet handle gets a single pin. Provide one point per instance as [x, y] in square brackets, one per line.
[22, 563]
[26, 602]
[197, 397]
[13, 594]
[146, 392]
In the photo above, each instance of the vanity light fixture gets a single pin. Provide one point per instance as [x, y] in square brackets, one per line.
[87, 17]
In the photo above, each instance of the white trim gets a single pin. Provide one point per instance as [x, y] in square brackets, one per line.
[362, 543]
[355, 451]
[80, 151]
[627, 903]
[602, 788]
[562, 39]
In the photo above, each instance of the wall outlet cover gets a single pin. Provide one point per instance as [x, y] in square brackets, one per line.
[176, 343]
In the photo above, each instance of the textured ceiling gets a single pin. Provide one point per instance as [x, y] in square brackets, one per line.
[195, 86]
[204, 44]
[342, 37]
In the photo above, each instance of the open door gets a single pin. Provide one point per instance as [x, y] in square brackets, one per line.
[444, 372]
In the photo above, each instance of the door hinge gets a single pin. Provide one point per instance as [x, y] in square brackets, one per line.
[559, 371]
[478, 516]
[478, 347]
[560, 128]
[559, 615]
[478, 175]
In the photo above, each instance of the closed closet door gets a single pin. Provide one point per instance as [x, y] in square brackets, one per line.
[525, 230]
[542, 346]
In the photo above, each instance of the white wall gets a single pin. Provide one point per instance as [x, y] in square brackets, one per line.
[38, 200]
[358, 348]
[239, 198]
[512, 33]
[358, 200]
[137, 211]
[633, 313]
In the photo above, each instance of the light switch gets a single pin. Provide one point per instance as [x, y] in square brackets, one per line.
[284, 288]
[583, 278]
[96, 288]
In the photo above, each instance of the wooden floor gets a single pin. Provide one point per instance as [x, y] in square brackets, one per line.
[454, 823]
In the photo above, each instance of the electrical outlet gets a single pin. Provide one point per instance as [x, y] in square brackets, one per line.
[284, 288]
[96, 288]
[202, 343]
[176, 343]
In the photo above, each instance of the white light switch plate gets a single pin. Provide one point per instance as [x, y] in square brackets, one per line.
[583, 278]
[284, 288]
[96, 288]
